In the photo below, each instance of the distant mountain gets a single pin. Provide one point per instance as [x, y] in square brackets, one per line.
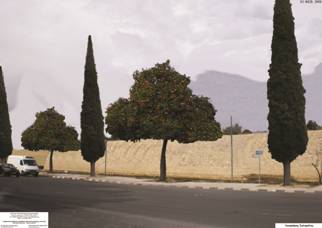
[246, 100]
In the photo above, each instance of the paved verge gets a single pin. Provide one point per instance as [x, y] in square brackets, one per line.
[192, 184]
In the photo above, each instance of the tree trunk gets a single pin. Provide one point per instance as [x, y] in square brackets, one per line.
[51, 169]
[163, 162]
[287, 173]
[92, 169]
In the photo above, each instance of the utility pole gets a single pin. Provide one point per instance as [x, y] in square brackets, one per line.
[105, 155]
[231, 149]
[259, 169]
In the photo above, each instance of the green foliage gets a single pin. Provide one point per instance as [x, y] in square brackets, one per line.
[71, 139]
[49, 132]
[92, 124]
[235, 130]
[161, 106]
[312, 125]
[199, 121]
[246, 132]
[287, 136]
[5, 126]
[121, 119]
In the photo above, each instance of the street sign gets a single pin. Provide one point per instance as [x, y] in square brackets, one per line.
[259, 152]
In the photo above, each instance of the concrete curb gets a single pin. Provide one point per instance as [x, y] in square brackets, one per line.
[190, 185]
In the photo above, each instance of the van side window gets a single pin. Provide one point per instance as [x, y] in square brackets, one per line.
[21, 162]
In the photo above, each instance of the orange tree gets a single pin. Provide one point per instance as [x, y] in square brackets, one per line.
[50, 132]
[161, 106]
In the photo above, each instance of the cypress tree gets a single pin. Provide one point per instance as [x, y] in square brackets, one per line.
[92, 125]
[5, 126]
[287, 136]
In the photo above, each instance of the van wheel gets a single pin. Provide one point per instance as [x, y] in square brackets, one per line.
[36, 175]
[18, 174]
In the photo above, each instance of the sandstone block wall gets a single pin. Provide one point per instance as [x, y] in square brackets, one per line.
[204, 160]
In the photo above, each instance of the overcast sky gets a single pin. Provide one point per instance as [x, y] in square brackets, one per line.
[43, 45]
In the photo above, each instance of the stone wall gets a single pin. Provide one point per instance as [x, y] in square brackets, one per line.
[204, 160]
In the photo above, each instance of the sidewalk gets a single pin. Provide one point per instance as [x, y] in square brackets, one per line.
[253, 187]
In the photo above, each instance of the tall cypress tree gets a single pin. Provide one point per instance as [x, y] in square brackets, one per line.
[92, 125]
[287, 136]
[5, 126]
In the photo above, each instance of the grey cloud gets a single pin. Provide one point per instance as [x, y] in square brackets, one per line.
[43, 45]
[254, 9]
[12, 87]
[315, 27]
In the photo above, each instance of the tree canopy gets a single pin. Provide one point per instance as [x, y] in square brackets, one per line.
[235, 130]
[50, 132]
[312, 125]
[162, 106]
[247, 131]
[92, 123]
[287, 136]
[5, 126]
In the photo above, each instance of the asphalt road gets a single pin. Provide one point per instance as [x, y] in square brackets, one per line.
[83, 204]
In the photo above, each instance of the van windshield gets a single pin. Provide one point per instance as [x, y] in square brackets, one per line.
[29, 162]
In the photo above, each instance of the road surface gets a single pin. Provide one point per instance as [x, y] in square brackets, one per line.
[84, 204]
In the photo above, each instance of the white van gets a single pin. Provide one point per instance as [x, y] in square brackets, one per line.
[26, 165]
